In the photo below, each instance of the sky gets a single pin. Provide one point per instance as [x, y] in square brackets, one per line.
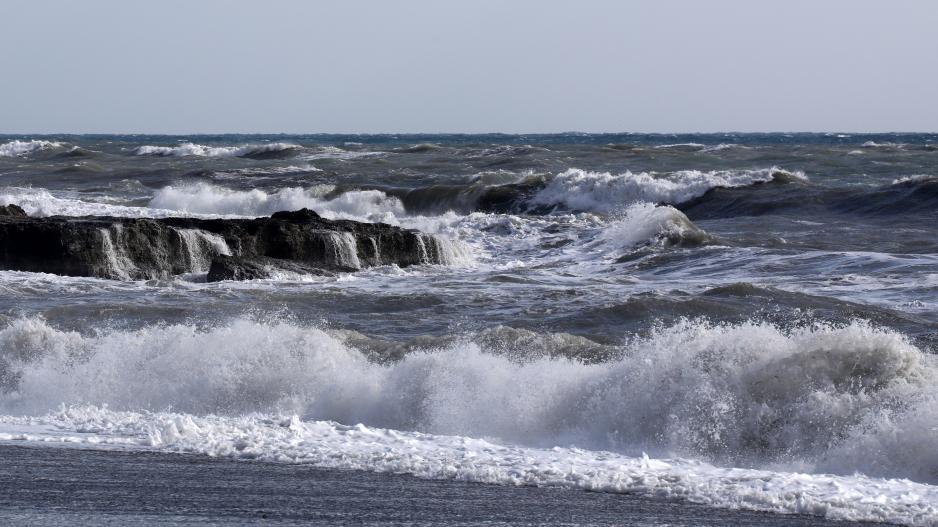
[519, 66]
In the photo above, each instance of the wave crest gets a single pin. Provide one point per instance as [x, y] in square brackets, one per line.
[644, 223]
[604, 192]
[21, 148]
[204, 198]
[191, 149]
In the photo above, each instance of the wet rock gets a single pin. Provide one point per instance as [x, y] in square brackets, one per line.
[296, 216]
[230, 249]
[13, 211]
[226, 267]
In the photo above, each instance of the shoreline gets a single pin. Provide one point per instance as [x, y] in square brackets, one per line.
[63, 486]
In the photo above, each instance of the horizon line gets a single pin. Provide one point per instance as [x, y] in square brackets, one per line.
[568, 132]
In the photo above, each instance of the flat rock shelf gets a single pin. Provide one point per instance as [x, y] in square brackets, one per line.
[228, 249]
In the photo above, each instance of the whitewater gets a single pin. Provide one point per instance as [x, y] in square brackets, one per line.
[741, 321]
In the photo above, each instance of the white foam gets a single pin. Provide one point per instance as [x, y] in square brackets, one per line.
[701, 147]
[210, 201]
[680, 145]
[604, 192]
[345, 249]
[120, 266]
[19, 148]
[510, 241]
[204, 198]
[192, 149]
[887, 145]
[444, 250]
[725, 146]
[816, 399]
[643, 223]
[917, 178]
[334, 152]
[281, 438]
[201, 247]
[41, 202]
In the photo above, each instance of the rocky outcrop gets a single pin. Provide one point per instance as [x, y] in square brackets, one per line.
[229, 249]
[225, 267]
[12, 211]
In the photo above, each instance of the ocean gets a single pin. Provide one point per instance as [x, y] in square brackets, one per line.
[740, 321]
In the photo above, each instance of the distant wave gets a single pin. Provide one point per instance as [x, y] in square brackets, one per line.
[582, 190]
[416, 149]
[905, 195]
[692, 147]
[579, 190]
[334, 152]
[915, 194]
[19, 148]
[76, 152]
[192, 149]
[884, 146]
[725, 146]
[204, 198]
[499, 191]
[697, 194]
[906, 181]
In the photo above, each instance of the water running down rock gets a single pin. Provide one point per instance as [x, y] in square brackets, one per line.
[231, 249]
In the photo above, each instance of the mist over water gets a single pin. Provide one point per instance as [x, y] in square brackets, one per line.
[676, 306]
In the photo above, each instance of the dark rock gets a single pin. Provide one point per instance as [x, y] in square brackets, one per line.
[13, 211]
[226, 267]
[296, 215]
[146, 248]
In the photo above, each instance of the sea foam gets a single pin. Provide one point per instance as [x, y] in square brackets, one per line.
[19, 148]
[192, 149]
[204, 198]
[325, 444]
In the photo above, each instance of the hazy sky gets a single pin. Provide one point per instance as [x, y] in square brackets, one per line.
[468, 66]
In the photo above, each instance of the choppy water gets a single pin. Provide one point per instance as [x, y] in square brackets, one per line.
[765, 302]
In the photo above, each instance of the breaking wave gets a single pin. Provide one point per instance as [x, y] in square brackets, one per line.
[258, 151]
[604, 192]
[40, 202]
[204, 198]
[576, 190]
[20, 148]
[644, 223]
[839, 399]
